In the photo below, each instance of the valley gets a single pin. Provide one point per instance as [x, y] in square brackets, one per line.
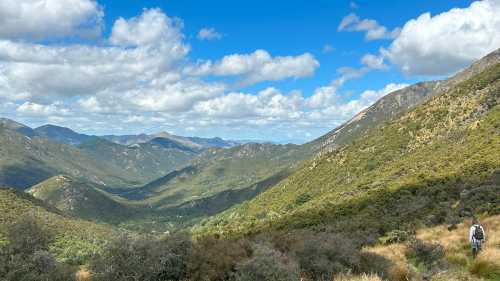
[387, 195]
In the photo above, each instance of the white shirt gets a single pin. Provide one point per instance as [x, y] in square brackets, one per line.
[472, 230]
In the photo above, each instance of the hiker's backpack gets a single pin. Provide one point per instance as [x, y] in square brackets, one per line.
[478, 232]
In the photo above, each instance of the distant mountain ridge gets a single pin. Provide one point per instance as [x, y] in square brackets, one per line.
[195, 143]
[61, 134]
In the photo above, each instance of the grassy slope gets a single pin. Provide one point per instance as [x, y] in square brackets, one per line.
[80, 199]
[145, 161]
[74, 237]
[457, 252]
[26, 161]
[407, 170]
[217, 170]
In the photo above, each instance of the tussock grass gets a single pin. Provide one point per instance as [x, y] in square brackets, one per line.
[399, 270]
[364, 277]
[457, 253]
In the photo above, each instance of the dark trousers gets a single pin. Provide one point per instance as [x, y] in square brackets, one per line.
[476, 248]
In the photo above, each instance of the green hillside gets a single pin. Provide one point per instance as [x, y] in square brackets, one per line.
[146, 161]
[26, 161]
[80, 199]
[61, 134]
[217, 170]
[75, 239]
[431, 164]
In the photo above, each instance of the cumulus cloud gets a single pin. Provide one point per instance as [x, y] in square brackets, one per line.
[152, 27]
[373, 30]
[257, 66]
[445, 43]
[48, 19]
[141, 77]
[270, 103]
[271, 106]
[373, 61]
[35, 109]
[40, 72]
[208, 33]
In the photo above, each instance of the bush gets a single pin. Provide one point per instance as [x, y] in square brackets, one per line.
[426, 254]
[323, 255]
[26, 255]
[373, 263]
[267, 264]
[143, 258]
[216, 259]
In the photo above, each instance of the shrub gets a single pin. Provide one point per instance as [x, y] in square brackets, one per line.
[143, 258]
[26, 256]
[427, 254]
[323, 255]
[216, 259]
[267, 264]
[373, 263]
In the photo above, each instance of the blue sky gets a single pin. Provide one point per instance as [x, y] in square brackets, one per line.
[284, 71]
[288, 28]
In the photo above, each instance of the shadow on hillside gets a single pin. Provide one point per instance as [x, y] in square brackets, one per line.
[9, 176]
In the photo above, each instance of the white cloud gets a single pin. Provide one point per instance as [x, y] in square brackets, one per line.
[374, 62]
[257, 66]
[47, 19]
[269, 103]
[152, 27]
[41, 72]
[35, 109]
[141, 77]
[372, 28]
[271, 107]
[208, 33]
[445, 43]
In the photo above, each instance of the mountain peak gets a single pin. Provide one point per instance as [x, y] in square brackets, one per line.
[61, 134]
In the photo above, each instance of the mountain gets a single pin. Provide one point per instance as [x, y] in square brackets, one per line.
[18, 127]
[212, 182]
[75, 239]
[146, 161]
[26, 161]
[431, 164]
[61, 134]
[127, 139]
[80, 199]
[195, 143]
[170, 144]
[383, 110]
[216, 170]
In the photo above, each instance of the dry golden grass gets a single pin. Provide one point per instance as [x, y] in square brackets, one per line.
[399, 271]
[457, 249]
[83, 275]
[487, 264]
[364, 277]
[457, 246]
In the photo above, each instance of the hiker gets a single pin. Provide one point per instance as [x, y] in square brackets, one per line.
[477, 236]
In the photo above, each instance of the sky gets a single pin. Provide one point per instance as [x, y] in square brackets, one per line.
[281, 71]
